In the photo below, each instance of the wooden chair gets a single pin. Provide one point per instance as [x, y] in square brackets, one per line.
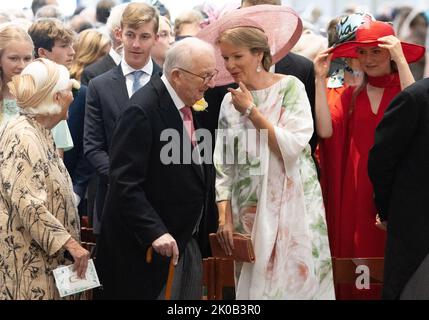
[218, 274]
[346, 269]
[209, 278]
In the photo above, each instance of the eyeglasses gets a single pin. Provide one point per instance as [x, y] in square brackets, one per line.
[206, 78]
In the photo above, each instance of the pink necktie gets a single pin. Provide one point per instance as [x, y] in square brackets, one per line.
[188, 122]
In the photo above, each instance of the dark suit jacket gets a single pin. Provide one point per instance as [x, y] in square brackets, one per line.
[399, 170]
[292, 64]
[76, 163]
[107, 95]
[146, 198]
[97, 68]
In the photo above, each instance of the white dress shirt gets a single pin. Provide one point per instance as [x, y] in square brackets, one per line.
[174, 96]
[115, 56]
[144, 79]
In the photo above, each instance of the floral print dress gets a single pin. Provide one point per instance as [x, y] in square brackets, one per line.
[37, 211]
[277, 201]
[61, 132]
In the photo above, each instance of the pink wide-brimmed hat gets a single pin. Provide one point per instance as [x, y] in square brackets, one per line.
[367, 35]
[281, 24]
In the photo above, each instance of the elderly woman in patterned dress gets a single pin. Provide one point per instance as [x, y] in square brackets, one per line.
[38, 217]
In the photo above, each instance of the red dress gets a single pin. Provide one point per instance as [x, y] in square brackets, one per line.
[354, 233]
[329, 157]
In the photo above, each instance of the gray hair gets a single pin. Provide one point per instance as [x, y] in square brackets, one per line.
[114, 20]
[49, 11]
[182, 53]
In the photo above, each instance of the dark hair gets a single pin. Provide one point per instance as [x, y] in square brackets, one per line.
[331, 30]
[102, 11]
[45, 32]
[37, 4]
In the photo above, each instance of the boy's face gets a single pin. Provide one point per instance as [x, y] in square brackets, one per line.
[138, 44]
[61, 53]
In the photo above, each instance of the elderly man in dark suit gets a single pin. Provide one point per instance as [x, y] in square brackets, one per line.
[110, 92]
[399, 170]
[153, 203]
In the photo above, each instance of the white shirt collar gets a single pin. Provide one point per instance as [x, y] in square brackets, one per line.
[126, 69]
[115, 56]
[174, 96]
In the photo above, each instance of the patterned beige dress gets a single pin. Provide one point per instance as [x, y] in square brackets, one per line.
[37, 211]
[277, 201]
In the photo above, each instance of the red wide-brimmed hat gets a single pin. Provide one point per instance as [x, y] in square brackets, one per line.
[281, 24]
[367, 35]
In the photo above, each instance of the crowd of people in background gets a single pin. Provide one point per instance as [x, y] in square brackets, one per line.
[339, 111]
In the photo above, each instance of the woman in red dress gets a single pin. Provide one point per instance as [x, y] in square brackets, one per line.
[352, 121]
[346, 72]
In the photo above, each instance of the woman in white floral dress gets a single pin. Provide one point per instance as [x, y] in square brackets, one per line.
[266, 180]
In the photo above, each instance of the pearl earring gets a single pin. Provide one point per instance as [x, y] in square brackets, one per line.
[259, 68]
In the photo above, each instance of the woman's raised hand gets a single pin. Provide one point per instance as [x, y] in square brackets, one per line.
[394, 46]
[241, 99]
[322, 62]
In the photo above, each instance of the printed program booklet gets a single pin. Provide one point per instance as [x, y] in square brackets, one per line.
[69, 283]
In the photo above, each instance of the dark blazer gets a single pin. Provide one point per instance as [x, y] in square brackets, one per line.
[399, 170]
[97, 68]
[76, 163]
[146, 198]
[292, 64]
[107, 95]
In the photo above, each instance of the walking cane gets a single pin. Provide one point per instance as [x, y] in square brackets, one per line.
[170, 277]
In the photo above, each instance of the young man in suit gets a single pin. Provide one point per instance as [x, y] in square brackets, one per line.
[109, 93]
[153, 203]
[398, 167]
[111, 60]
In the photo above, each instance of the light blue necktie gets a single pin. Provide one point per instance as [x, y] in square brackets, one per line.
[136, 80]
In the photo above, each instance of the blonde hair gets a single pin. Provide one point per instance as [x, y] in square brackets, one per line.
[89, 48]
[137, 13]
[35, 87]
[8, 34]
[249, 37]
